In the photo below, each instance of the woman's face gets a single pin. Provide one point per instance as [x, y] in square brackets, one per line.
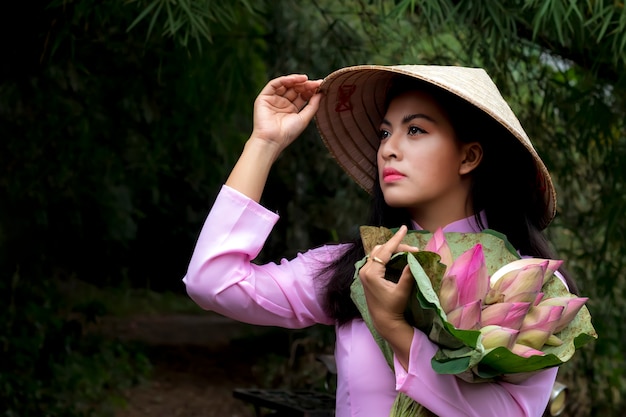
[421, 164]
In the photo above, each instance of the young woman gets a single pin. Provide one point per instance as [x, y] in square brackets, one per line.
[437, 147]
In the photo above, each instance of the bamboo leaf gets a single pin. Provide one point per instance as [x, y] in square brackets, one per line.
[155, 4]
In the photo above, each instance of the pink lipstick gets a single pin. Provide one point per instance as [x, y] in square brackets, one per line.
[392, 175]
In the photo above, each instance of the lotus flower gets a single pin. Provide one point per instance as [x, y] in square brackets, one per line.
[539, 325]
[509, 308]
[472, 279]
[495, 336]
[525, 351]
[518, 284]
[449, 293]
[439, 245]
[551, 267]
[466, 317]
[510, 315]
[571, 306]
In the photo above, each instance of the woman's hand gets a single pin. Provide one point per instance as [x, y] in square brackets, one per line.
[282, 111]
[284, 108]
[387, 300]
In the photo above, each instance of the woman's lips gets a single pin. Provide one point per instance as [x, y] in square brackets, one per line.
[392, 175]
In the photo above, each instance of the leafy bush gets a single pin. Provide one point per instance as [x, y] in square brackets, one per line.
[51, 365]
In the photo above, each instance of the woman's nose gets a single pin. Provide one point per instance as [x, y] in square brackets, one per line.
[390, 147]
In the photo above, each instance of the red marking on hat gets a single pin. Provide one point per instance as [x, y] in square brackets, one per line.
[343, 98]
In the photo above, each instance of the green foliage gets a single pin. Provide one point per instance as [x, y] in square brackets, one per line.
[51, 364]
[187, 20]
[124, 144]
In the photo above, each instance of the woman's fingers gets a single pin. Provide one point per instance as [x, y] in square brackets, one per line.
[406, 281]
[384, 252]
[310, 109]
[403, 247]
[280, 84]
[292, 86]
[393, 245]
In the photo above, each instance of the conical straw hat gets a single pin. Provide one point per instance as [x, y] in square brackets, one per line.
[353, 106]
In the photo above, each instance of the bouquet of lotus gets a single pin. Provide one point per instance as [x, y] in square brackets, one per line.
[493, 314]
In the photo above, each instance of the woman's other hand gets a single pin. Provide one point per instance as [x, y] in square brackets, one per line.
[387, 300]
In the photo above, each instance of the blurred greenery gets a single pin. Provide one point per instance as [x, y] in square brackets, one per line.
[51, 364]
[119, 121]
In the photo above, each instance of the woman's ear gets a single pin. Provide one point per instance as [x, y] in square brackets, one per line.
[472, 155]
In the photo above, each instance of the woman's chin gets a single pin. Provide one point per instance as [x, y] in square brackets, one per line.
[397, 201]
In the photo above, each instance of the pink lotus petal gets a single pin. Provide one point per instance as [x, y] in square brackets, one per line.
[553, 266]
[550, 266]
[449, 293]
[466, 317]
[525, 351]
[496, 336]
[471, 274]
[534, 338]
[529, 297]
[571, 305]
[542, 317]
[439, 245]
[518, 285]
[539, 324]
[509, 315]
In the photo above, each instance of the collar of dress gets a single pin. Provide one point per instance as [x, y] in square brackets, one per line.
[466, 225]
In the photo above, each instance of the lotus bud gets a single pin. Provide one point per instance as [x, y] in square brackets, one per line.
[517, 285]
[509, 315]
[497, 336]
[525, 351]
[439, 245]
[550, 267]
[471, 274]
[553, 266]
[539, 325]
[572, 306]
[449, 293]
[466, 317]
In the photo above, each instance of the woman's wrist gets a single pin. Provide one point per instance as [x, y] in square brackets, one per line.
[399, 334]
[392, 327]
[262, 149]
[250, 173]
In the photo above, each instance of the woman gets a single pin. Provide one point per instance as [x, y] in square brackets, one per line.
[438, 148]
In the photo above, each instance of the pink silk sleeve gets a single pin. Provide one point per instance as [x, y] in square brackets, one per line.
[447, 395]
[221, 276]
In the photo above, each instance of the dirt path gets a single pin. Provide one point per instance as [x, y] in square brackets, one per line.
[197, 362]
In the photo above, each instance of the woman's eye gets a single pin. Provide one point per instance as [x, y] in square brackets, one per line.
[414, 130]
[383, 134]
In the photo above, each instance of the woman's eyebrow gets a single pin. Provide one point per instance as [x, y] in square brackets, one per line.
[408, 118]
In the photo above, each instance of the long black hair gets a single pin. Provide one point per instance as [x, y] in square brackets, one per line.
[503, 186]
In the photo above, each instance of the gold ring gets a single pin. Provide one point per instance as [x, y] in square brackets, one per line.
[377, 259]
